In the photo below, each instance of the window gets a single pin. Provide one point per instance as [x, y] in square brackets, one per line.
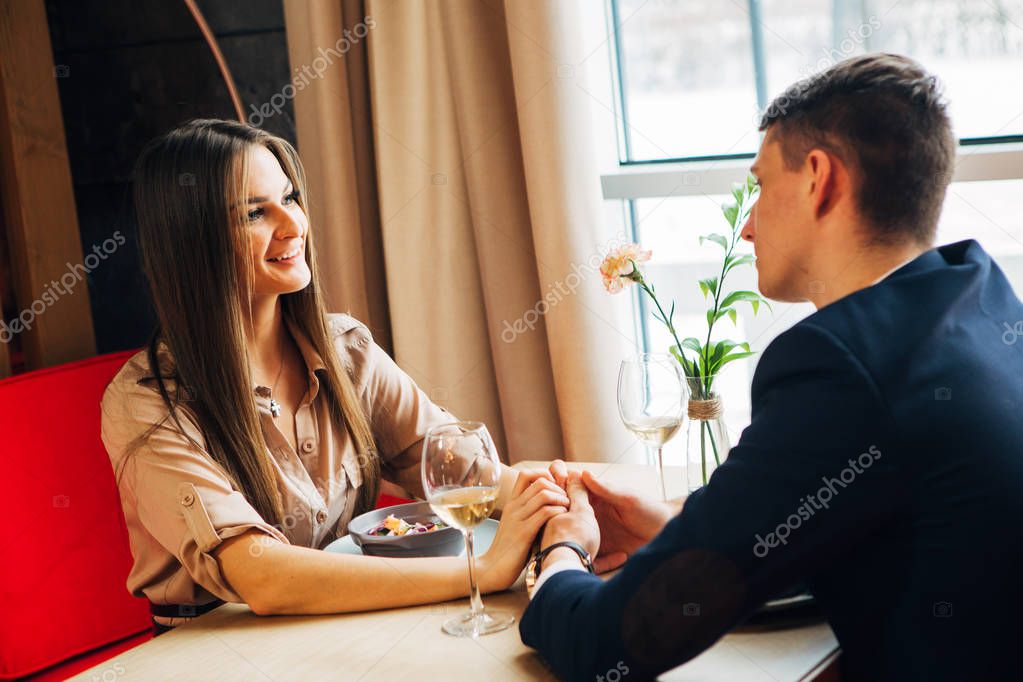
[693, 76]
[691, 79]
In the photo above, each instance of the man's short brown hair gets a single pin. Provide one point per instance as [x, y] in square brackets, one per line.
[886, 119]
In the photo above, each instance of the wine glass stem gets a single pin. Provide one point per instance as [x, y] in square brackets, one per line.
[475, 601]
[660, 472]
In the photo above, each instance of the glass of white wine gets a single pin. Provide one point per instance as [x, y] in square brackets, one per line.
[461, 477]
[651, 401]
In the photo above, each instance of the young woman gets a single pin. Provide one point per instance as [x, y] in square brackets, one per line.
[255, 425]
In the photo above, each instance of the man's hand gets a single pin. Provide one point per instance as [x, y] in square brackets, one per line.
[626, 521]
[578, 524]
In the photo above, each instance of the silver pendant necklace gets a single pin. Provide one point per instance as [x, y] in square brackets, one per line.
[275, 407]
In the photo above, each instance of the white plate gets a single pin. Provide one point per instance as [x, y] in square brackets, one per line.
[482, 536]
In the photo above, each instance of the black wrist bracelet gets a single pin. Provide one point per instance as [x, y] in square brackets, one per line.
[533, 566]
[574, 546]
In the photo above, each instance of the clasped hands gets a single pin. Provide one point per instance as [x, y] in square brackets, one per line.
[609, 522]
[559, 505]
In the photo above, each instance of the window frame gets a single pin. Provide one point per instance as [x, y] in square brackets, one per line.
[1003, 152]
[978, 159]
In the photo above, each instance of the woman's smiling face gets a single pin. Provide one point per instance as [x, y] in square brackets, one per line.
[277, 226]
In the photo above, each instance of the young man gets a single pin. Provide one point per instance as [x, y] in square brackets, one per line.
[884, 463]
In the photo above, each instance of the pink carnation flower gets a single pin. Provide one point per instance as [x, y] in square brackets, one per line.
[619, 266]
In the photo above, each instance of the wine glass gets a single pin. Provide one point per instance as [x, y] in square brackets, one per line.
[461, 477]
[651, 401]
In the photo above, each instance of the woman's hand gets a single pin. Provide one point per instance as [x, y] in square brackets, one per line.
[535, 500]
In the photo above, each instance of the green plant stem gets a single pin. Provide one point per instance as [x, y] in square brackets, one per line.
[713, 445]
[703, 452]
[707, 433]
[708, 379]
[671, 328]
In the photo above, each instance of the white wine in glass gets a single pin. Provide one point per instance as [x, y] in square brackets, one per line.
[651, 402]
[464, 508]
[461, 478]
[654, 431]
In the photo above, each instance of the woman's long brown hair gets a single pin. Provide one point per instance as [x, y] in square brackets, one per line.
[197, 259]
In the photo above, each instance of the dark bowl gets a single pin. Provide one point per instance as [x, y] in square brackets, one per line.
[444, 542]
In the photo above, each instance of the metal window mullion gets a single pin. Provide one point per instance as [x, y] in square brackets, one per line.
[759, 62]
[642, 311]
[619, 83]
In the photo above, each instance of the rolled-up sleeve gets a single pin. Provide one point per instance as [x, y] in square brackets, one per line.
[400, 413]
[171, 490]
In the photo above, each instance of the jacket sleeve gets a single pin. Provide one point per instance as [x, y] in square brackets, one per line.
[813, 473]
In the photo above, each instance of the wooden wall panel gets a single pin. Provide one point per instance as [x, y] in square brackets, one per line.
[6, 296]
[39, 204]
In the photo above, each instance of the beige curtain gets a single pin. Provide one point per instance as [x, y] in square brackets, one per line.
[335, 139]
[487, 210]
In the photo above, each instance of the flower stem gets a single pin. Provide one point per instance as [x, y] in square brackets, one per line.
[713, 445]
[693, 373]
[703, 450]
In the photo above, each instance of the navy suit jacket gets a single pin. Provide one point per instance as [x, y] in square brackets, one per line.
[883, 467]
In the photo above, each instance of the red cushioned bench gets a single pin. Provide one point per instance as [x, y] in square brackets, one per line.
[64, 606]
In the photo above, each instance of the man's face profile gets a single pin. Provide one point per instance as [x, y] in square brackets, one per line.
[781, 224]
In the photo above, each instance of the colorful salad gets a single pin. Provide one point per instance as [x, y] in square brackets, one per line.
[393, 526]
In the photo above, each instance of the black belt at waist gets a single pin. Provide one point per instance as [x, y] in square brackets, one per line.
[182, 610]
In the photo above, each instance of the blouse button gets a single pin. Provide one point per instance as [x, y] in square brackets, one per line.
[308, 446]
[187, 500]
[321, 516]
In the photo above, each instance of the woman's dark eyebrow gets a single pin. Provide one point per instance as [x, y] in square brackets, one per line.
[259, 200]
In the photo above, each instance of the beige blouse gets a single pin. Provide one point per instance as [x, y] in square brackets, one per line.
[179, 507]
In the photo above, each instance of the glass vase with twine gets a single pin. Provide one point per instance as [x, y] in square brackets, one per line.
[700, 359]
[706, 436]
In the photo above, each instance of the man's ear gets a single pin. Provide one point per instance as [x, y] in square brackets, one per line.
[822, 171]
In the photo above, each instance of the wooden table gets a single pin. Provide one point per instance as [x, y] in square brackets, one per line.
[231, 643]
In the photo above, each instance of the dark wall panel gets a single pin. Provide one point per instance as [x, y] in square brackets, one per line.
[128, 70]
